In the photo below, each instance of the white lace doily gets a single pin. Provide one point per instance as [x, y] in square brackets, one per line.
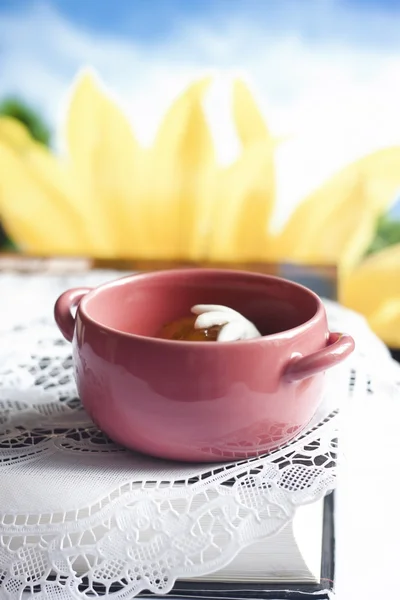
[80, 516]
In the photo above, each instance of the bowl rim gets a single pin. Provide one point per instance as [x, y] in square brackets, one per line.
[280, 335]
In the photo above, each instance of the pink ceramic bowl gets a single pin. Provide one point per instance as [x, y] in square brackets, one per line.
[199, 401]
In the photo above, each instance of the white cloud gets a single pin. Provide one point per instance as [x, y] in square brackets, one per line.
[340, 98]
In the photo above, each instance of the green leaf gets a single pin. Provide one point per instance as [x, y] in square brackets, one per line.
[387, 234]
[29, 116]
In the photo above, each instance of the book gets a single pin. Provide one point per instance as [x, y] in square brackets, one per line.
[292, 555]
[297, 563]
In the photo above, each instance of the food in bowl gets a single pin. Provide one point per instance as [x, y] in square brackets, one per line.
[210, 323]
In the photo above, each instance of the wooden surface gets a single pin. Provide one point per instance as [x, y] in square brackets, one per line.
[25, 263]
[322, 279]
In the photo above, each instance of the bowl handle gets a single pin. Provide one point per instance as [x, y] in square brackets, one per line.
[63, 307]
[340, 346]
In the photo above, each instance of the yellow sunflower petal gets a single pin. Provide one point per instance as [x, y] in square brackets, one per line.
[341, 237]
[52, 184]
[184, 176]
[14, 133]
[381, 171]
[246, 200]
[385, 322]
[243, 207]
[33, 205]
[250, 124]
[374, 282]
[341, 212]
[104, 155]
[373, 289]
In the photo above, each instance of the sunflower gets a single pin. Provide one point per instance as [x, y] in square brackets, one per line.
[108, 196]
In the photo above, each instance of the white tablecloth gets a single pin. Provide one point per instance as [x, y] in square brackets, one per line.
[367, 499]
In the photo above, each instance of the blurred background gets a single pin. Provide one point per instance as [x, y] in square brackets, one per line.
[323, 74]
[330, 66]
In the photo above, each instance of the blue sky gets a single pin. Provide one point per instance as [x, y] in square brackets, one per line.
[325, 71]
[150, 19]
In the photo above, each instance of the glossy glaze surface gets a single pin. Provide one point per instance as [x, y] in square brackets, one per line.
[199, 401]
